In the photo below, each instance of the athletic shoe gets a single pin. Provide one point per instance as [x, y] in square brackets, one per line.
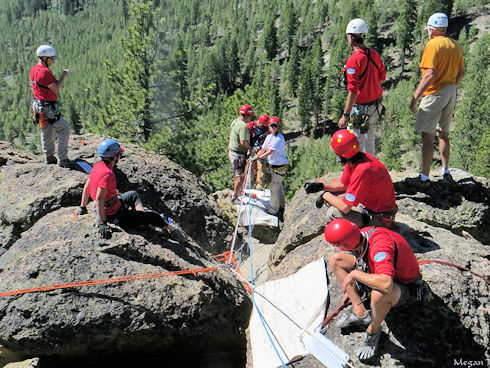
[418, 183]
[64, 163]
[50, 160]
[351, 320]
[370, 347]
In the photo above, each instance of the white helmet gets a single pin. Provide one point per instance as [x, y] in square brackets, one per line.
[357, 25]
[437, 20]
[45, 50]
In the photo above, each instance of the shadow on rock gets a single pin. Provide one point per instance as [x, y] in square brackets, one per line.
[432, 334]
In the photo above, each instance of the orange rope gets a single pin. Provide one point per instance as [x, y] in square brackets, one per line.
[425, 261]
[106, 281]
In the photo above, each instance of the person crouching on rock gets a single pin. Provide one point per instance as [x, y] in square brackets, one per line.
[383, 264]
[368, 194]
[124, 210]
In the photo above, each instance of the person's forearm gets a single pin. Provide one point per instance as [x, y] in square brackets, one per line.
[337, 202]
[334, 187]
[424, 84]
[382, 283]
[349, 104]
[264, 154]
[99, 205]
[85, 194]
[460, 76]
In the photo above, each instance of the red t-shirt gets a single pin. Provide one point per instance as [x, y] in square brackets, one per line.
[369, 183]
[368, 88]
[381, 256]
[42, 75]
[102, 176]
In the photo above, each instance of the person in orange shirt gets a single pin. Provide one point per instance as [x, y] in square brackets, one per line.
[442, 71]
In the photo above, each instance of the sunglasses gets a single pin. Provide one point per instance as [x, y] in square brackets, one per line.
[273, 125]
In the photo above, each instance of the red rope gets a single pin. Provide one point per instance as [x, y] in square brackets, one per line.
[344, 303]
[106, 281]
[425, 261]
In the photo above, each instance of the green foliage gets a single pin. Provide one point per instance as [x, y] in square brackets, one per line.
[404, 27]
[311, 160]
[398, 136]
[470, 138]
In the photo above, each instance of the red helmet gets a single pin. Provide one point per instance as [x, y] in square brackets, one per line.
[264, 119]
[246, 110]
[342, 234]
[344, 143]
[274, 120]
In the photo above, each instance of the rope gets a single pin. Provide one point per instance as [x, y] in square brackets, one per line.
[425, 261]
[106, 281]
[239, 214]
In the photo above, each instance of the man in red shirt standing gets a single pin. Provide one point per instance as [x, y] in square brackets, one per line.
[368, 194]
[383, 263]
[364, 73]
[45, 89]
[125, 209]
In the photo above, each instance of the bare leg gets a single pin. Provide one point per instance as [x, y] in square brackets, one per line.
[238, 184]
[444, 147]
[427, 152]
[381, 304]
[341, 265]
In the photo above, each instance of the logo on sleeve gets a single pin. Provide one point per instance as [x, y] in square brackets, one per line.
[351, 71]
[350, 197]
[378, 257]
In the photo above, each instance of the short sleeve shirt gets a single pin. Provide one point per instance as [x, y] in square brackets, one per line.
[103, 177]
[368, 88]
[42, 76]
[239, 132]
[445, 56]
[381, 256]
[278, 145]
[369, 183]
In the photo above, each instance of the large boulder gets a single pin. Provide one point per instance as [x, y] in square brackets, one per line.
[463, 206]
[165, 187]
[30, 190]
[186, 314]
[453, 326]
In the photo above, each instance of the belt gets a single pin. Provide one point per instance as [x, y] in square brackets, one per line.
[111, 201]
[377, 101]
[239, 153]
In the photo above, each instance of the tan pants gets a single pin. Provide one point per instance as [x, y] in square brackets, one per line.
[367, 141]
[57, 130]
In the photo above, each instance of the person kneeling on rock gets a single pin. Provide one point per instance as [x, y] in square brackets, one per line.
[124, 210]
[367, 194]
[381, 263]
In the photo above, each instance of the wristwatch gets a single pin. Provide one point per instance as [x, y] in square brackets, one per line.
[345, 114]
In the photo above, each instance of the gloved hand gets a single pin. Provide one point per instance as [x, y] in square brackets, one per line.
[253, 159]
[104, 231]
[320, 201]
[82, 211]
[313, 186]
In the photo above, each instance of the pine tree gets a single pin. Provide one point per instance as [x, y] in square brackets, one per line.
[128, 113]
[270, 38]
[404, 27]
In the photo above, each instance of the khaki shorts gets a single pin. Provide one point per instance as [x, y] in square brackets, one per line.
[238, 161]
[436, 111]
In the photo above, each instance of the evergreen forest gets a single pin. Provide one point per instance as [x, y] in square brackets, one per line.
[170, 75]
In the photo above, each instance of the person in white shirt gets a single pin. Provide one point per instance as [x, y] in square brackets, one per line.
[274, 148]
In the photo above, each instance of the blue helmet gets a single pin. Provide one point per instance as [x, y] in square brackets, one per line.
[109, 148]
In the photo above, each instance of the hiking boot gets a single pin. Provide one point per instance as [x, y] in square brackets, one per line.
[233, 199]
[370, 347]
[50, 160]
[351, 320]
[448, 178]
[64, 163]
[418, 183]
